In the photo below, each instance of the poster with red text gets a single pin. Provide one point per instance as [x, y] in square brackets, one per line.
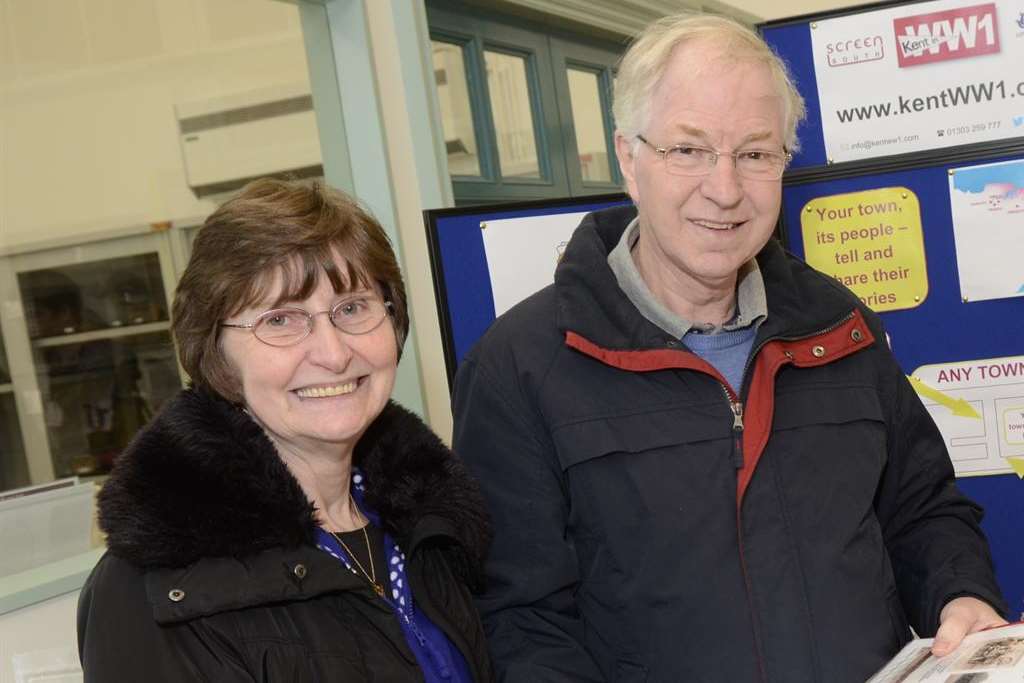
[920, 76]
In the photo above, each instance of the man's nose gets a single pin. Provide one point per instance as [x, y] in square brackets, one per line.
[723, 184]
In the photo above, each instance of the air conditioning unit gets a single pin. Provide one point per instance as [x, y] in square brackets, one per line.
[228, 141]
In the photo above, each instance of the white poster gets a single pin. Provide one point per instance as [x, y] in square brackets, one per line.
[978, 406]
[920, 76]
[522, 254]
[987, 205]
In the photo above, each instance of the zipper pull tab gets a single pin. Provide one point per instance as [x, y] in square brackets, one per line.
[737, 434]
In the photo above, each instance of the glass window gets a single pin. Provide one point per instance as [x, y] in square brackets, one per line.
[513, 116]
[588, 120]
[102, 353]
[456, 114]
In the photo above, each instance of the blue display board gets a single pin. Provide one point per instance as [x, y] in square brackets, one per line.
[462, 284]
[792, 42]
[943, 328]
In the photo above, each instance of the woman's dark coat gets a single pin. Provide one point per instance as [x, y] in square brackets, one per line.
[212, 573]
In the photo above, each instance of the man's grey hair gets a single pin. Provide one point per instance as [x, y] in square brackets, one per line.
[644, 63]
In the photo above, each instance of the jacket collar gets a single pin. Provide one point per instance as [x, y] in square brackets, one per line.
[203, 480]
[592, 305]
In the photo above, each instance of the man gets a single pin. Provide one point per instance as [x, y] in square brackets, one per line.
[702, 460]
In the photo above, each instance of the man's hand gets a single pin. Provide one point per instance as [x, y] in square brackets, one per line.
[959, 617]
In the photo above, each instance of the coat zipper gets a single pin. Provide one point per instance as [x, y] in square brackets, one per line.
[736, 405]
[737, 434]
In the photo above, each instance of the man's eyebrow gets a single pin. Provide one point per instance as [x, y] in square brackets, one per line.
[690, 130]
[756, 137]
[703, 135]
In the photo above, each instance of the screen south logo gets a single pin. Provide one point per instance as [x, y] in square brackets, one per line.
[952, 34]
[867, 48]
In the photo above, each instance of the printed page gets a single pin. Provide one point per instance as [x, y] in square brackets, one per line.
[993, 656]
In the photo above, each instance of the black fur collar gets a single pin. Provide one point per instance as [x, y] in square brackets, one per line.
[203, 480]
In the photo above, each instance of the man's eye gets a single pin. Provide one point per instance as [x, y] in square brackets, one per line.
[754, 155]
[688, 151]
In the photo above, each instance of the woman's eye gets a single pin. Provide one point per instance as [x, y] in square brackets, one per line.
[278, 320]
[353, 307]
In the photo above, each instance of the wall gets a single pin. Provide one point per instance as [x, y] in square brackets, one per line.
[88, 137]
[783, 9]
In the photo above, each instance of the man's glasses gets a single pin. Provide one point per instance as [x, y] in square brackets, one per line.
[288, 326]
[691, 160]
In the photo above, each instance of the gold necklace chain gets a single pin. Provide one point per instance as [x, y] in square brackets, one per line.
[372, 575]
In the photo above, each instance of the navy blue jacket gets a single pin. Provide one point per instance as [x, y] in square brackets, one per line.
[651, 525]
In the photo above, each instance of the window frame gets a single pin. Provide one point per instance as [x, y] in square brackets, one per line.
[566, 55]
[548, 52]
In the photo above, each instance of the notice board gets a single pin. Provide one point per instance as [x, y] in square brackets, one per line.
[486, 258]
[909, 188]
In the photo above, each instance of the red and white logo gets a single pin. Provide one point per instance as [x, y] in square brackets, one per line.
[952, 34]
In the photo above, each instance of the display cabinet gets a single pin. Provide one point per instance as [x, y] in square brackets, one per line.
[90, 352]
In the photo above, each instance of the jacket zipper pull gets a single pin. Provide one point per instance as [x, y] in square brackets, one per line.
[737, 434]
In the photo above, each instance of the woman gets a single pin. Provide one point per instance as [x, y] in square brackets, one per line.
[281, 520]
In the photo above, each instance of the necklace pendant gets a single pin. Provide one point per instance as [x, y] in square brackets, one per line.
[378, 589]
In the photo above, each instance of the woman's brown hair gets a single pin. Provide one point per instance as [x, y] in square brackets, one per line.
[276, 227]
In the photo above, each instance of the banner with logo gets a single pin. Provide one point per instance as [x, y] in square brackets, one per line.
[920, 76]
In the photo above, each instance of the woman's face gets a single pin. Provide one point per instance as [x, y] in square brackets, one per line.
[322, 392]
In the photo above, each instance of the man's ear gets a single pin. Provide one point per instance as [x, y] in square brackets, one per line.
[624, 151]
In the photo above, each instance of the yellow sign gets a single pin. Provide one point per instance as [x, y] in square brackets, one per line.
[870, 241]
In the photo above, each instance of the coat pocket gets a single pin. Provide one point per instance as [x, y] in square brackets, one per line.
[624, 469]
[830, 445]
[823, 404]
[639, 431]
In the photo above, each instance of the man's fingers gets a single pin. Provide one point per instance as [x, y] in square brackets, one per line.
[949, 635]
[982, 624]
[959, 617]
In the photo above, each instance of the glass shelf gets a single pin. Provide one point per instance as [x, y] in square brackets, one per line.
[110, 333]
[105, 294]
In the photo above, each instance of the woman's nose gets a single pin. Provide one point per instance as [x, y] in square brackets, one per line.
[329, 346]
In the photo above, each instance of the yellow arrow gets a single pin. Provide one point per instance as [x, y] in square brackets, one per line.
[1017, 464]
[957, 406]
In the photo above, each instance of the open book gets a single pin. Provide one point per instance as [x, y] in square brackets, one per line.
[993, 656]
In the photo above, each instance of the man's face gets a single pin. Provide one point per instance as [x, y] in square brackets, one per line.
[700, 230]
